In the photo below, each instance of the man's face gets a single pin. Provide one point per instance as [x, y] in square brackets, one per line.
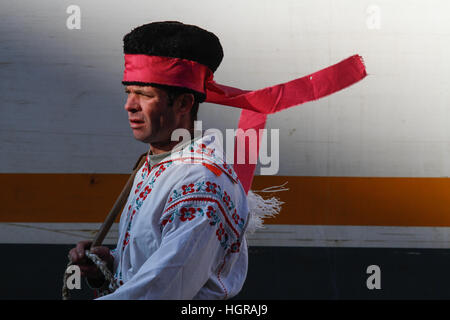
[151, 118]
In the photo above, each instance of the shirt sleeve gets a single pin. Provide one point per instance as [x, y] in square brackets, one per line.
[197, 232]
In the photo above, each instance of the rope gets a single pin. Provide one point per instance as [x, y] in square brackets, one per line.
[110, 283]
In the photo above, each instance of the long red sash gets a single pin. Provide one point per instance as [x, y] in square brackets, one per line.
[255, 104]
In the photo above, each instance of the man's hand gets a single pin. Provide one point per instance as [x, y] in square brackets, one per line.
[87, 267]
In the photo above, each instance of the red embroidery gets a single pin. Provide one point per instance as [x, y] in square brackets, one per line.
[164, 222]
[145, 193]
[188, 189]
[226, 167]
[202, 149]
[210, 200]
[235, 246]
[194, 160]
[187, 214]
[211, 187]
[138, 187]
[161, 170]
[209, 211]
[145, 170]
[226, 198]
[142, 196]
[235, 217]
[213, 169]
[126, 240]
[220, 231]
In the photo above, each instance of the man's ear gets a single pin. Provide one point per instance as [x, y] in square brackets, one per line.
[184, 103]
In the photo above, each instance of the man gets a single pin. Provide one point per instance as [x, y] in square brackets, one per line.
[182, 232]
[182, 228]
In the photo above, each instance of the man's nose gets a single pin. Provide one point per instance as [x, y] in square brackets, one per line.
[132, 104]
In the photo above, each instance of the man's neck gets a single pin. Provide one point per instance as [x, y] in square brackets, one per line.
[158, 148]
[166, 146]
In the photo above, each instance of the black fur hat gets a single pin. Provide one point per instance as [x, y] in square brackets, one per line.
[176, 40]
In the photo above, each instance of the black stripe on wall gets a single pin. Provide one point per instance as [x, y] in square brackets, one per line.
[35, 271]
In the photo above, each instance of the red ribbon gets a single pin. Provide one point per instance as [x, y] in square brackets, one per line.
[256, 104]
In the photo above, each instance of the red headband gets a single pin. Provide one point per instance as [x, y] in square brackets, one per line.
[257, 104]
[169, 71]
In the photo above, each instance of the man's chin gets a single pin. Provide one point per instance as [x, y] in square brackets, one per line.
[141, 137]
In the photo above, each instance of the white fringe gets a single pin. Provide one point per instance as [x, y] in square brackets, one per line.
[261, 208]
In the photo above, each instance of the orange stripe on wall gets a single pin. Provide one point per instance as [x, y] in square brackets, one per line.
[58, 197]
[310, 200]
[363, 201]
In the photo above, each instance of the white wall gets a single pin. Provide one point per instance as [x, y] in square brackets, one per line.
[61, 100]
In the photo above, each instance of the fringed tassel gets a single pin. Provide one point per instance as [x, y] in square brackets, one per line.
[261, 208]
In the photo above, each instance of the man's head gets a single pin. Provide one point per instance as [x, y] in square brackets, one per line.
[153, 115]
[155, 109]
